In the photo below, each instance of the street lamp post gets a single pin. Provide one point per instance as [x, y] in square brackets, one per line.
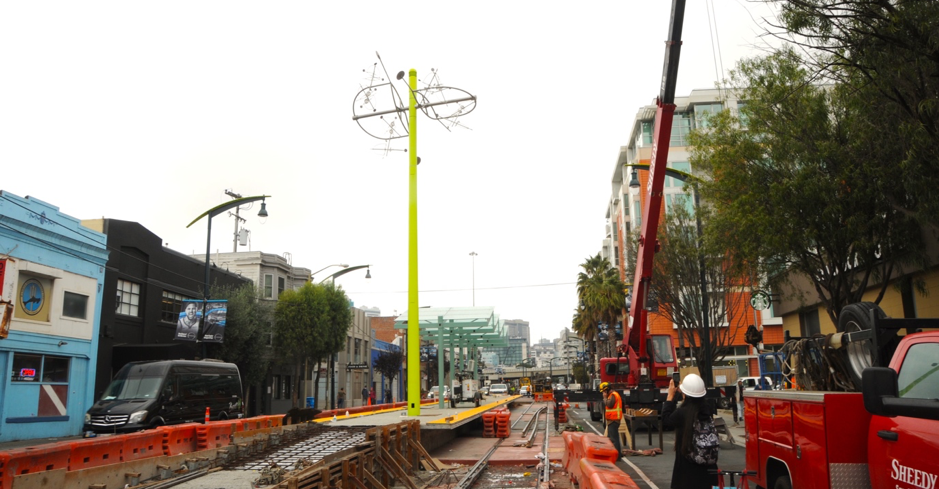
[331, 387]
[209, 214]
[705, 362]
[473, 254]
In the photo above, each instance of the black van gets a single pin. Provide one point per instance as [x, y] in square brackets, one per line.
[149, 394]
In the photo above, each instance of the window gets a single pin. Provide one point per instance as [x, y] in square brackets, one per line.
[810, 324]
[662, 348]
[281, 281]
[637, 213]
[287, 387]
[268, 286]
[679, 200]
[39, 368]
[171, 306]
[128, 298]
[702, 112]
[276, 387]
[357, 353]
[616, 256]
[681, 127]
[647, 129]
[919, 376]
[742, 114]
[75, 306]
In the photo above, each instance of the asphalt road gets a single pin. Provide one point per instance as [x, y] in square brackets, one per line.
[656, 472]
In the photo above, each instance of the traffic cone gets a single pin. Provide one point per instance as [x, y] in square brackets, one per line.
[369, 401]
[206, 414]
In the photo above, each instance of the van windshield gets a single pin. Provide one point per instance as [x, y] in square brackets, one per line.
[133, 388]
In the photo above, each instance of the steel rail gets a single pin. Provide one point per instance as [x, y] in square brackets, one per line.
[522, 415]
[477, 469]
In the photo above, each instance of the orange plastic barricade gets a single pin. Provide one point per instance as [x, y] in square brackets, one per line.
[598, 447]
[577, 454]
[95, 452]
[143, 444]
[276, 421]
[598, 474]
[180, 438]
[31, 460]
[214, 434]
[571, 438]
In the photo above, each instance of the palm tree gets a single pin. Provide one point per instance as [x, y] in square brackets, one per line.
[602, 296]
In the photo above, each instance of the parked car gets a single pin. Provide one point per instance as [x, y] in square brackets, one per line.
[753, 383]
[524, 391]
[484, 390]
[498, 389]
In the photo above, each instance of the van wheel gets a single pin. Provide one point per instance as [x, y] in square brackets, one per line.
[782, 482]
[594, 416]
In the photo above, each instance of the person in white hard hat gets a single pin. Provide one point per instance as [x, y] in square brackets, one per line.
[686, 474]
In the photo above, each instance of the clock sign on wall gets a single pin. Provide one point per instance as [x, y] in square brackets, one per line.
[32, 297]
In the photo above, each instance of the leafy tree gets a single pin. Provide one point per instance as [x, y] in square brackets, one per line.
[312, 322]
[389, 364]
[678, 271]
[247, 331]
[793, 191]
[602, 297]
[886, 51]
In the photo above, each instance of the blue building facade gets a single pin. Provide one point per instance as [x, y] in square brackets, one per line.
[51, 281]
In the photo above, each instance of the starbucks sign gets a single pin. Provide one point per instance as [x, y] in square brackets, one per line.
[760, 300]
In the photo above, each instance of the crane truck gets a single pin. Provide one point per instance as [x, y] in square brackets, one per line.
[644, 363]
[885, 436]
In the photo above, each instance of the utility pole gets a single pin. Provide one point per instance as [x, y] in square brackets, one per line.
[237, 218]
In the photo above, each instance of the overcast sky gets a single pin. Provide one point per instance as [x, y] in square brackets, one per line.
[149, 111]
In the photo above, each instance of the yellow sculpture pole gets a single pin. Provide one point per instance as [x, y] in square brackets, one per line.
[414, 329]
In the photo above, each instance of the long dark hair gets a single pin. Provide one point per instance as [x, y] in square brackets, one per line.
[692, 407]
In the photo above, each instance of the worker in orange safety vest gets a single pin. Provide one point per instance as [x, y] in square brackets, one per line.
[614, 413]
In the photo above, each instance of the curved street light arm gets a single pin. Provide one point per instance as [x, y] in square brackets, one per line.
[344, 271]
[227, 205]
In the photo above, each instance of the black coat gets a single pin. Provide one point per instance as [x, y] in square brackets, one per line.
[686, 474]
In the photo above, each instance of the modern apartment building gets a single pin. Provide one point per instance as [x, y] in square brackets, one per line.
[624, 208]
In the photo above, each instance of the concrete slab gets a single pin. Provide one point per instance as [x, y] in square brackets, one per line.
[432, 417]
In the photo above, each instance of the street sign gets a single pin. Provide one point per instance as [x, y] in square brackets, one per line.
[760, 300]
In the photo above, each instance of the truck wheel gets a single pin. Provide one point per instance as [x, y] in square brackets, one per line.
[594, 416]
[859, 355]
[782, 482]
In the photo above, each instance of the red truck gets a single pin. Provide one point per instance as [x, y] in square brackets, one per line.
[886, 436]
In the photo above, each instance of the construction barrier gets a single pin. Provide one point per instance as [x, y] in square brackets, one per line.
[562, 413]
[570, 438]
[94, 452]
[599, 474]
[596, 447]
[179, 439]
[20, 461]
[503, 418]
[575, 452]
[489, 424]
[276, 421]
[143, 444]
[214, 434]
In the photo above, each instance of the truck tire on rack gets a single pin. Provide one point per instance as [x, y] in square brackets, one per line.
[859, 355]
